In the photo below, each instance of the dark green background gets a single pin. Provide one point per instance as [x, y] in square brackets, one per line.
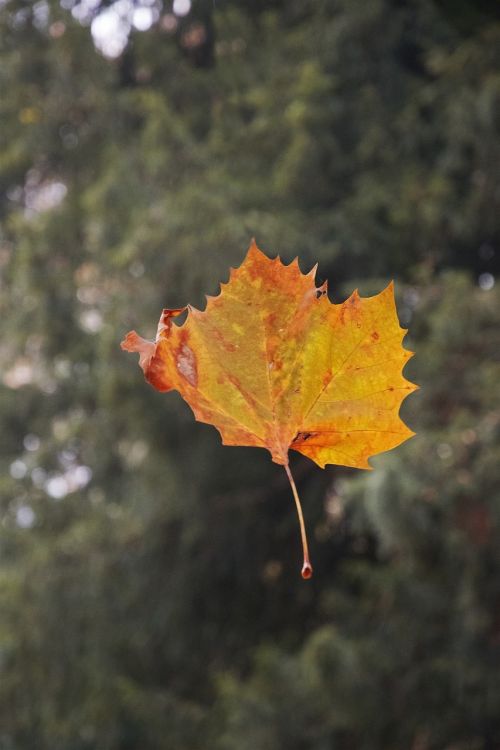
[159, 605]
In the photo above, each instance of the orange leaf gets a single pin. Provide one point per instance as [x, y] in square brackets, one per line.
[272, 363]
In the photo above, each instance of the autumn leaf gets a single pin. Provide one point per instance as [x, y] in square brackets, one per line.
[272, 363]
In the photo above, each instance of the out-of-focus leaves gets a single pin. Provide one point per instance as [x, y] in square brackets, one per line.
[364, 135]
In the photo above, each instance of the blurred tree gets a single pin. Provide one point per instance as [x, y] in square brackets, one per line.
[149, 583]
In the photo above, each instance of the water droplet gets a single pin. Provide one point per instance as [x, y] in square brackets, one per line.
[307, 571]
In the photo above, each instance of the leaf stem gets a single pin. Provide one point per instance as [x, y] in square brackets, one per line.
[307, 570]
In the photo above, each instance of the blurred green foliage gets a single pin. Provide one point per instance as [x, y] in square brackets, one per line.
[150, 595]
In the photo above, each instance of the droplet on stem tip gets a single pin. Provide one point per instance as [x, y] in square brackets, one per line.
[307, 571]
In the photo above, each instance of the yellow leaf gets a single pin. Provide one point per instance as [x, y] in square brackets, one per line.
[272, 363]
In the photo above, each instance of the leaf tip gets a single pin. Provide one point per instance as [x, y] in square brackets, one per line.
[254, 250]
[128, 344]
[193, 311]
[144, 348]
[312, 272]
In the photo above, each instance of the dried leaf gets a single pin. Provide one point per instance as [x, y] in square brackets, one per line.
[272, 363]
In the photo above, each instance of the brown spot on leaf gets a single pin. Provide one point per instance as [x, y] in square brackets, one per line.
[227, 345]
[301, 437]
[186, 364]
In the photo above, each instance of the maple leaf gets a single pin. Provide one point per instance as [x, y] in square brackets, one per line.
[272, 363]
